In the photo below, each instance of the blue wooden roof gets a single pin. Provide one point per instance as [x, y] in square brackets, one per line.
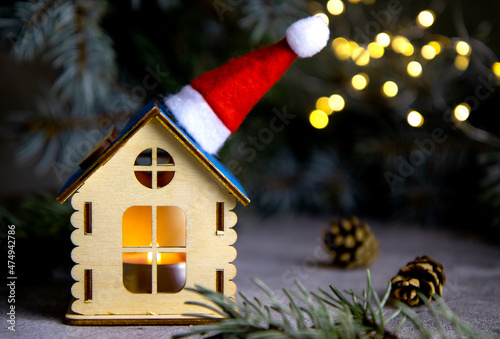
[156, 110]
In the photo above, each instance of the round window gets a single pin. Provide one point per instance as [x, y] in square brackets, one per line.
[153, 168]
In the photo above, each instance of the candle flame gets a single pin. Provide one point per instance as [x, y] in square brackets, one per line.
[150, 258]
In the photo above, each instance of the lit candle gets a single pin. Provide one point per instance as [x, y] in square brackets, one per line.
[171, 276]
[171, 272]
[137, 272]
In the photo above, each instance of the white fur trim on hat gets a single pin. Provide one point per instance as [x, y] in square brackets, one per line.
[198, 119]
[308, 36]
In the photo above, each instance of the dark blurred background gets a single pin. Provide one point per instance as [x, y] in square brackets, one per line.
[70, 70]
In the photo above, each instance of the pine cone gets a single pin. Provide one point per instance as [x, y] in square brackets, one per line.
[424, 275]
[350, 243]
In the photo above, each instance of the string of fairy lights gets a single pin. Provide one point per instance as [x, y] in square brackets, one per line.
[347, 50]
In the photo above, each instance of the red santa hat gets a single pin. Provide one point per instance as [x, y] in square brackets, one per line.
[215, 104]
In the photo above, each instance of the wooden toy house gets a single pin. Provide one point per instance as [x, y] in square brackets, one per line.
[153, 207]
[153, 216]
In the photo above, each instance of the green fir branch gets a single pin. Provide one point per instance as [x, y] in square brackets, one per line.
[36, 23]
[37, 217]
[269, 19]
[68, 35]
[327, 314]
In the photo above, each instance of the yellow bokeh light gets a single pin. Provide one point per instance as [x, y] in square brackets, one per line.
[408, 51]
[426, 18]
[335, 7]
[318, 119]
[360, 81]
[342, 48]
[375, 50]
[323, 16]
[462, 48]
[390, 89]
[462, 111]
[336, 102]
[415, 119]
[402, 45]
[398, 43]
[496, 69]
[353, 46]
[323, 105]
[428, 52]
[339, 41]
[436, 45]
[383, 39]
[461, 62]
[361, 56]
[414, 69]
[354, 1]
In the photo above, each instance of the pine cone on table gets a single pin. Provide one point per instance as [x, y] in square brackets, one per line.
[350, 243]
[424, 275]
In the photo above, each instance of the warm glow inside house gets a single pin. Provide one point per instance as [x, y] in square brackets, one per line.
[152, 217]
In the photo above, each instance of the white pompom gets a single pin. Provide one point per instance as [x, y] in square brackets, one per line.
[308, 36]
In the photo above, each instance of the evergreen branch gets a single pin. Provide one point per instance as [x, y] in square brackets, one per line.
[269, 19]
[36, 24]
[296, 311]
[378, 303]
[39, 216]
[317, 315]
[228, 326]
[460, 326]
[68, 35]
[477, 134]
[387, 294]
[333, 304]
[227, 305]
[86, 58]
[392, 316]
[433, 312]
[368, 287]
[255, 306]
[401, 322]
[204, 316]
[413, 317]
[271, 334]
[341, 299]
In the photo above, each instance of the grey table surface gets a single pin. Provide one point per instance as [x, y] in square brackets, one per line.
[280, 249]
